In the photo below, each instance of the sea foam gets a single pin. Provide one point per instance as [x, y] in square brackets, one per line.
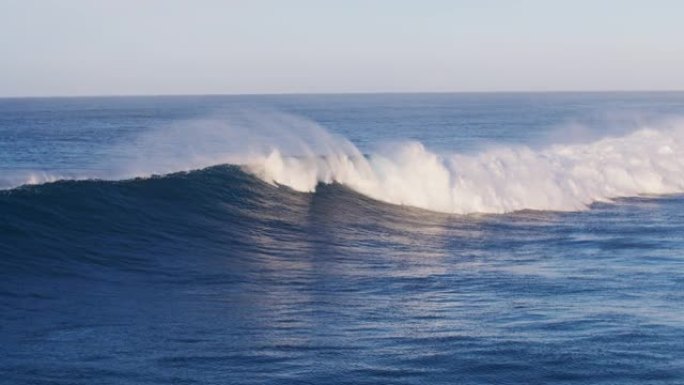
[499, 180]
[289, 151]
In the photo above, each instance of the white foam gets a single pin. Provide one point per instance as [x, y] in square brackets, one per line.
[559, 178]
[293, 152]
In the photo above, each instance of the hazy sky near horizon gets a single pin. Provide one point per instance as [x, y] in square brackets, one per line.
[85, 47]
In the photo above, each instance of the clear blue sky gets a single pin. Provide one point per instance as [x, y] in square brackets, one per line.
[96, 47]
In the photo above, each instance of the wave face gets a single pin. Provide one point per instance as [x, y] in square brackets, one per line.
[131, 225]
[297, 153]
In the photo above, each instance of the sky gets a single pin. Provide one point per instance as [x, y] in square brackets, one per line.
[133, 47]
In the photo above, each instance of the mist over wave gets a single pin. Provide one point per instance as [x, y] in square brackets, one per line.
[290, 151]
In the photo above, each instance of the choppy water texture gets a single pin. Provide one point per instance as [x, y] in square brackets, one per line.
[322, 239]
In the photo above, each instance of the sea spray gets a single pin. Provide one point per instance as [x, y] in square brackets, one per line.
[499, 180]
[291, 151]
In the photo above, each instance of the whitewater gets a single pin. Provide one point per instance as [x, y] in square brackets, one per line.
[559, 178]
[297, 153]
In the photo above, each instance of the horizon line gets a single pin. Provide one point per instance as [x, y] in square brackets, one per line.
[76, 96]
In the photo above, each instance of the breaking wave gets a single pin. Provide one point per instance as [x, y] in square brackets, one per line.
[300, 154]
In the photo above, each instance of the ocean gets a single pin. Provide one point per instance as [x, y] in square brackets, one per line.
[503, 238]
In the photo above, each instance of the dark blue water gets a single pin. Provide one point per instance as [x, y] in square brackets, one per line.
[215, 277]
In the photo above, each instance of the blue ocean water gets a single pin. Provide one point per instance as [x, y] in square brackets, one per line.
[140, 245]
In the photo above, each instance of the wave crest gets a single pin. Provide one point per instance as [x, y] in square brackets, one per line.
[293, 152]
[558, 178]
